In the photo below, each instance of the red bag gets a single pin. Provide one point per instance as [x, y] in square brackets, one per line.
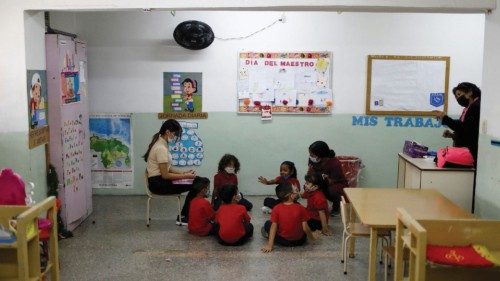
[12, 190]
[454, 157]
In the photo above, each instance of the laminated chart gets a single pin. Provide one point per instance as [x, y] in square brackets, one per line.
[188, 151]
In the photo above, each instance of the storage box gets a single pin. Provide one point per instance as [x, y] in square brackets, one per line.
[414, 149]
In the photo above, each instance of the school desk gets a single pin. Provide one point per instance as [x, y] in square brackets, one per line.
[376, 207]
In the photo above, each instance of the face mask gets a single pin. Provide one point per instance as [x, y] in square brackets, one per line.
[229, 170]
[463, 101]
[286, 177]
[314, 159]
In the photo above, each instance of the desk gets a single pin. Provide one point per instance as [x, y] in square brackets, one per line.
[376, 207]
[457, 184]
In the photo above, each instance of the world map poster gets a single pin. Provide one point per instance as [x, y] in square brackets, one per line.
[111, 149]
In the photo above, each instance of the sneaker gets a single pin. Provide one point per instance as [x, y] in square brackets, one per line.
[264, 232]
[182, 222]
[266, 210]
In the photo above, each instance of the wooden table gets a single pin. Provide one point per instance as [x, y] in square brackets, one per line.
[376, 207]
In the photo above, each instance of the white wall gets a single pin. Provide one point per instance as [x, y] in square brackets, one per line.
[129, 51]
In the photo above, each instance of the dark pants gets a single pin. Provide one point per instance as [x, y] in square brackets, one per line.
[282, 241]
[248, 205]
[334, 197]
[243, 240]
[161, 186]
[271, 202]
[314, 224]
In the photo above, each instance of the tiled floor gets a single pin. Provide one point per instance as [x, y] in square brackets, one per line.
[119, 246]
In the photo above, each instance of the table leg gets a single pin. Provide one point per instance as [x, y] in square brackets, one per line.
[372, 261]
[352, 241]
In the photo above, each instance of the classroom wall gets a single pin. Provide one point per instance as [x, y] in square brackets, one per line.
[129, 51]
[488, 175]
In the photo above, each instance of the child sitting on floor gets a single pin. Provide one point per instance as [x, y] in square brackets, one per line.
[316, 203]
[226, 174]
[233, 227]
[288, 225]
[288, 173]
[201, 214]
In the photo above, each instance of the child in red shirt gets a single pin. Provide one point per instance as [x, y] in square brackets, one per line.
[317, 206]
[288, 225]
[226, 175]
[288, 174]
[233, 227]
[201, 214]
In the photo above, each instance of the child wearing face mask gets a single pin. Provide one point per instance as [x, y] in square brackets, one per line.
[228, 167]
[288, 174]
[201, 214]
[317, 206]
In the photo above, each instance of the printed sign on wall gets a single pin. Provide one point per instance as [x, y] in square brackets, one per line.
[182, 91]
[37, 107]
[288, 82]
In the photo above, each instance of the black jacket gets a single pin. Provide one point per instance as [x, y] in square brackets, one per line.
[466, 132]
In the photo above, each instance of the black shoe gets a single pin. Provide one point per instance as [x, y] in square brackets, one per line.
[183, 221]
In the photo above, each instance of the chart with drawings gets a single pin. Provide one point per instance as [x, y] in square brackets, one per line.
[188, 151]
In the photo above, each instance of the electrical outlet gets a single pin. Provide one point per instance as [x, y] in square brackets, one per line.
[484, 127]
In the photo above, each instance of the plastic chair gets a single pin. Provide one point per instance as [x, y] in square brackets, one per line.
[152, 195]
[354, 229]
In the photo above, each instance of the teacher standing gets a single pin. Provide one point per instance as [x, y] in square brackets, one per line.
[465, 130]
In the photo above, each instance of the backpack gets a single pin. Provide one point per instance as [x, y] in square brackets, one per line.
[454, 157]
[12, 190]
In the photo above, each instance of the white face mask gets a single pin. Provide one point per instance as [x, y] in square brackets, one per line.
[229, 170]
[314, 159]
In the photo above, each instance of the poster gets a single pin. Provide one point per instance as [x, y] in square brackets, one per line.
[37, 107]
[70, 80]
[73, 136]
[111, 151]
[182, 91]
[188, 151]
[292, 83]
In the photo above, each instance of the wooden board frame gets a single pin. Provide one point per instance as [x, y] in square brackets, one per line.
[418, 58]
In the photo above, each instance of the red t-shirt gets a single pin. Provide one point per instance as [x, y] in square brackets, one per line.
[333, 168]
[293, 181]
[231, 218]
[316, 201]
[200, 215]
[223, 178]
[289, 218]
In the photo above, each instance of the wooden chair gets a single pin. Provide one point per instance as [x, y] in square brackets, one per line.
[354, 230]
[415, 235]
[152, 195]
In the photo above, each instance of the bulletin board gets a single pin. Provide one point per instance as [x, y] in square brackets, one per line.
[290, 83]
[407, 85]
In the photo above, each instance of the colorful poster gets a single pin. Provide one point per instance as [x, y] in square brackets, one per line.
[291, 83]
[182, 91]
[189, 150]
[37, 97]
[73, 135]
[70, 80]
[37, 107]
[111, 151]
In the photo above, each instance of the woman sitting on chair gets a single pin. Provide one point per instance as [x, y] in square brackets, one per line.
[160, 170]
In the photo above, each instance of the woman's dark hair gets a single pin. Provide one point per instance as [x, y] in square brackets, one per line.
[225, 160]
[321, 150]
[283, 190]
[227, 192]
[468, 87]
[200, 183]
[172, 126]
[193, 83]
[317, 179]
[292, 168]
